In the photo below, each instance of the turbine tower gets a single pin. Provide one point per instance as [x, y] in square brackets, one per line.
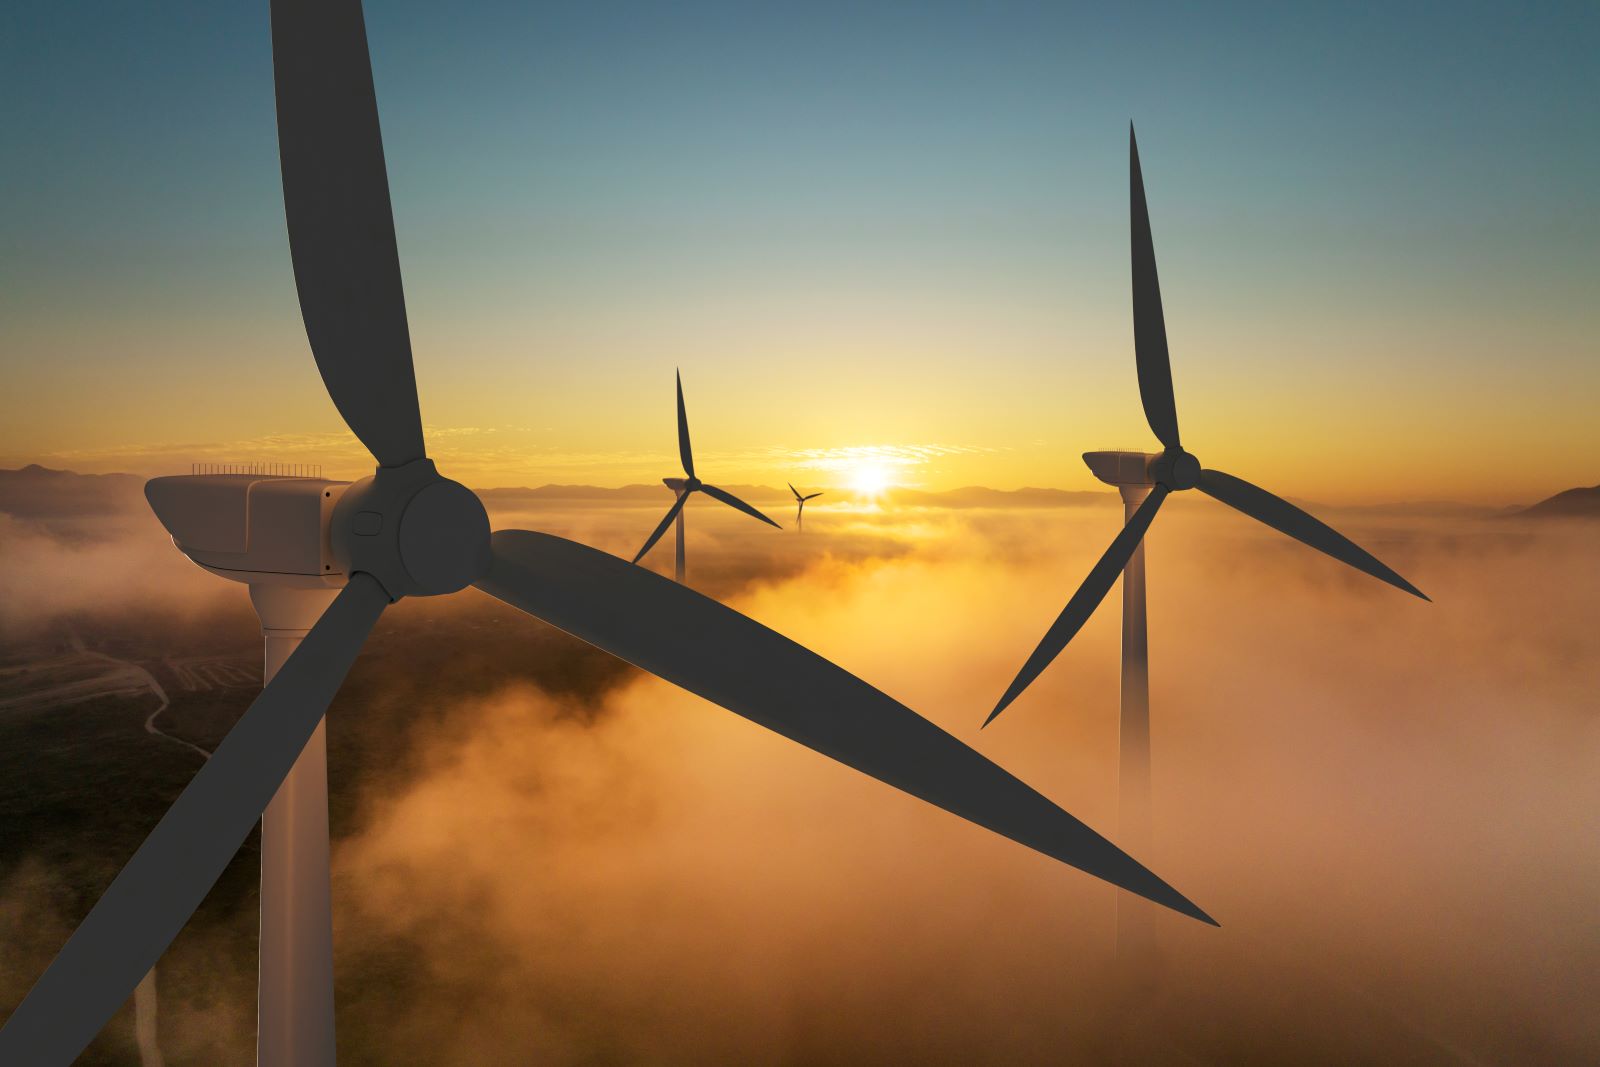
[800, 505]
[408, 531]
[1145, 480]
[683, 487]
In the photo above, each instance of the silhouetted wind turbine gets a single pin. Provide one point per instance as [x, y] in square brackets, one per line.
[408, 531]
[1145, 480]
[800, 505]
[684, 486]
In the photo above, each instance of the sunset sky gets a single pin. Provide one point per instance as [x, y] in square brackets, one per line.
[894, 237]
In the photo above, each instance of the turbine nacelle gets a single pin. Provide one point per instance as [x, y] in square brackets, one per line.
[417, 533]
[1121, 468]
[1172, 467]
[258, 529]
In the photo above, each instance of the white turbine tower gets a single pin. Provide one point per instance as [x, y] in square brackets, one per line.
[407, 531]
[293, 578]
[685, 486]
[1145, 480]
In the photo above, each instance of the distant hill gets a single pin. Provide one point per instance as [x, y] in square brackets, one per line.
[621, 495]
[36, 492]
[972, 496]
[1430, 509]
[1572, 504]
[978, 496]
[627, 494]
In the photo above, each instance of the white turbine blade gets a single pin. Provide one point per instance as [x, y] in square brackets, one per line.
[717, 653]
[167, 878]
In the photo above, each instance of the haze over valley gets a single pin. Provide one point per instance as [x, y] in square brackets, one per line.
[543, 855]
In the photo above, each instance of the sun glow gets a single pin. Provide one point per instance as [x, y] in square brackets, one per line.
[870, 480]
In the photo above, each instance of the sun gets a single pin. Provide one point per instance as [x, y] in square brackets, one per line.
[870, 479]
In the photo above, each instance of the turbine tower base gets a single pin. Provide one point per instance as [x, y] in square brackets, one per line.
[1130, 473]
[294, 1001]
[679, 486]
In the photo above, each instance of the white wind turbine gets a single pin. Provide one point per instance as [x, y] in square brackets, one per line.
[407, 531]
[686, 486]
[1145, 480]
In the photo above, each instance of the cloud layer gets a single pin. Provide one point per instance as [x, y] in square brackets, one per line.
[1388, 804]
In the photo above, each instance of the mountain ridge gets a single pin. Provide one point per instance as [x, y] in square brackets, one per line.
[1580, 503]
[36, 491]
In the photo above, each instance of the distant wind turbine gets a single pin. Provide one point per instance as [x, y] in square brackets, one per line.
[1145, 480]
[685, 486]
[800, 505]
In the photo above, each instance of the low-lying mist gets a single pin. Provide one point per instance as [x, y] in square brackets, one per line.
[1389, 805]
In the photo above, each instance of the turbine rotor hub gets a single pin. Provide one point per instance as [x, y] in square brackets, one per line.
[417, 533]
[1176, 469]
[691, 484]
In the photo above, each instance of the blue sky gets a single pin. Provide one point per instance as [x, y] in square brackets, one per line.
[910, 220]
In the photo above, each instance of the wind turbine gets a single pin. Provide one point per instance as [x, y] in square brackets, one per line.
[800, 505]
[684, 487]
[1145, 480]
[408, 531]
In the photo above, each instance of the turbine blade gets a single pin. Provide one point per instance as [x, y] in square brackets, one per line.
[672, 513]
[813, 496]
[341, 227]
[1149, 326]
[793, 490]
[1286, 518]
[1093, 590]
[717, 653]
[685, 453]
[734, 502]
[154, 895]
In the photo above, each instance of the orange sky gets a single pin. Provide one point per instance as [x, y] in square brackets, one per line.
[1302, 432]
